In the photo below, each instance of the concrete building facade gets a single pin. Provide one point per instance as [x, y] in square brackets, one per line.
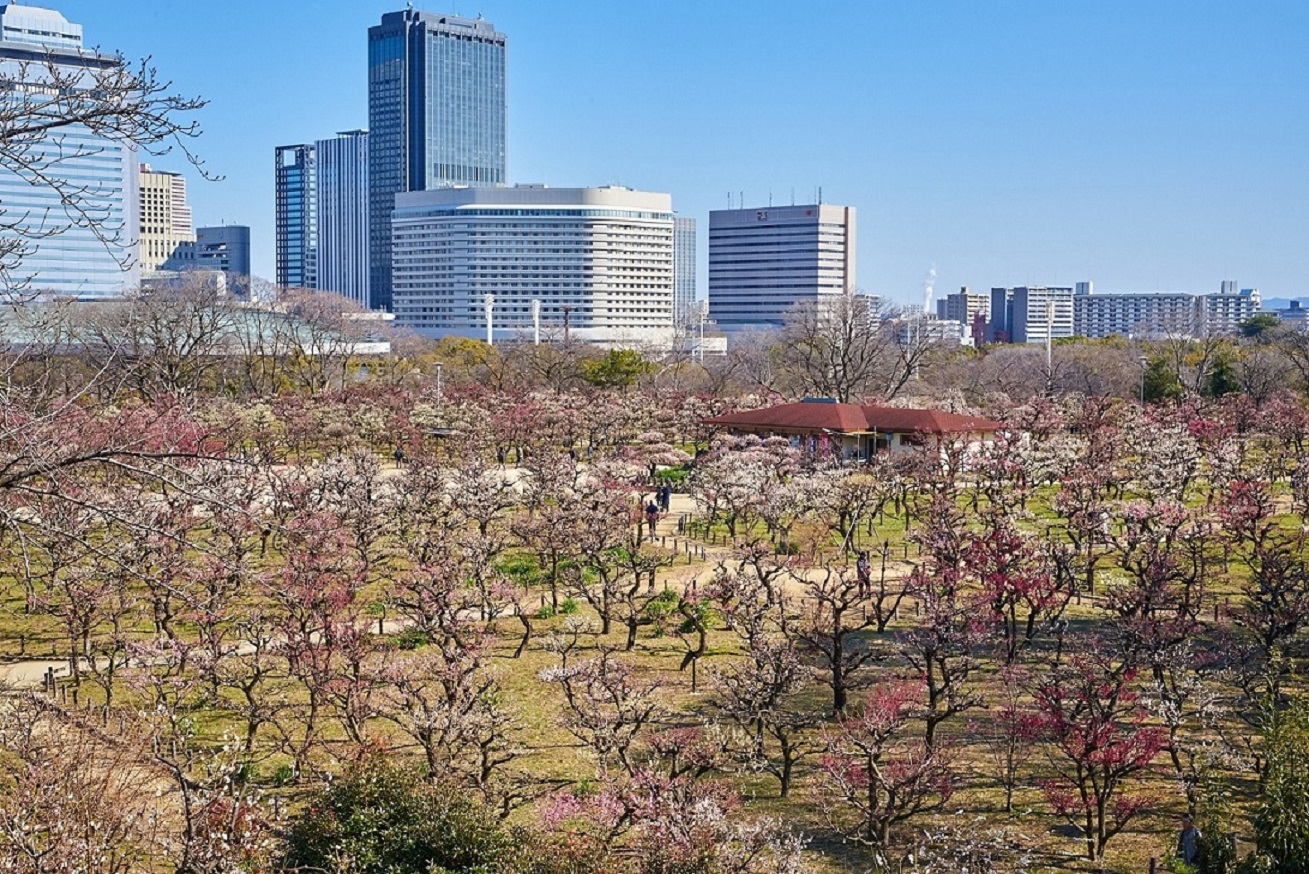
[225, 249]
[85, 246]
[1161, 314]
[296, 215]
[167, 235]
[341, 165]
[597, 261]
[1030, 314]
[963, 306]
[436, 117]
[764, 261]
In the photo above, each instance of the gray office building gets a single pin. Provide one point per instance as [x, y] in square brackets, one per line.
[62, 253]
[296, 216]
[436, 117]
[684, 303]
[764, 261]
[341, 184]
[225, 249]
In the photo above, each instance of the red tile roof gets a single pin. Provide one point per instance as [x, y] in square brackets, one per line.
[818, 416]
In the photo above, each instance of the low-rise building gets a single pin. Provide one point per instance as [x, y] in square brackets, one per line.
[856, 431]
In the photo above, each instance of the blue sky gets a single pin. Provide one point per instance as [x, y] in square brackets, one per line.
[1142, 144]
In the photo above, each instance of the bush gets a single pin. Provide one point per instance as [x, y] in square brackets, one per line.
[1281, 820]
[381, 818]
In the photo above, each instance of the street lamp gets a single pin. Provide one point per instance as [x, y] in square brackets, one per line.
[1143, 361]
[438, 384]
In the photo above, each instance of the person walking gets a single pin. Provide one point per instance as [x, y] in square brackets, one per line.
[865, 571]
[665, 497]
[651, 516]
[1188, 841]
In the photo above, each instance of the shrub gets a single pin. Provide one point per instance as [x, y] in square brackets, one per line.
[381, 818]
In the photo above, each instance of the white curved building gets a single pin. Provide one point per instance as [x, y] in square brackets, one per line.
[598, 260]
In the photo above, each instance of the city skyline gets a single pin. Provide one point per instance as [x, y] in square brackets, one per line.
[1144, 148]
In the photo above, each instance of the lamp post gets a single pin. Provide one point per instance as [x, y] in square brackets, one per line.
[1143, 361]
[488, 303]
[536, 322]
[438, 384]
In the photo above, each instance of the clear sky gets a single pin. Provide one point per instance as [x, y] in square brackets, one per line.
[1142, 144]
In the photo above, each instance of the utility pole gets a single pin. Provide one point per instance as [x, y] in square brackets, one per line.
[488, 303]
[1049, 345]
[536, 322]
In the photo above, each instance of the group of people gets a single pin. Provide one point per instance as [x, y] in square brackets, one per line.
[659, 503]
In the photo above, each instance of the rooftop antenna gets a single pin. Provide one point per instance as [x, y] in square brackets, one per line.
[740, 200]
[820, 195]
[792, 195]
[729, 200]
[770, 197]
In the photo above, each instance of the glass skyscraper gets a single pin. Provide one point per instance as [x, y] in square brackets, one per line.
[296, 217]
[85, 247]
[342, 167]
[436, 117]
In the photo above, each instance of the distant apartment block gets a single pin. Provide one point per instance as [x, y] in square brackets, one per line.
[1030, 314]
[924, 329]
[963, 306]
[598, 262]
[1162, 314]
[296, 216]
[684, 303]
[764, 261]
[1223, 312]
[341, 188]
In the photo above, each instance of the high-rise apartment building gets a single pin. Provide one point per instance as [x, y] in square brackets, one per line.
[597, 262]
[685, 309]
[1030, 314]
[225, 249]
[342, 190]
[436, 117]
[167, 236]
[1162, 314]
[764, 261]
[296, 216]
[1222, 313]
[963, 306]
[65, 254]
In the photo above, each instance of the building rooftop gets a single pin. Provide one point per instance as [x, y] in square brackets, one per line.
[824, 415]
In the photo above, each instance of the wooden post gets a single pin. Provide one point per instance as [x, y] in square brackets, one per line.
[694, 662]
[1154, 865]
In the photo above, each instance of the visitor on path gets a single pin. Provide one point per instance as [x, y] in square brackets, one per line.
[1188, 842]
[865, 571]
[651, 515]
[399, 457]
[665, 497]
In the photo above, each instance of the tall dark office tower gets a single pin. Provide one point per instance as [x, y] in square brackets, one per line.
[436, 117]
[296, 216]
